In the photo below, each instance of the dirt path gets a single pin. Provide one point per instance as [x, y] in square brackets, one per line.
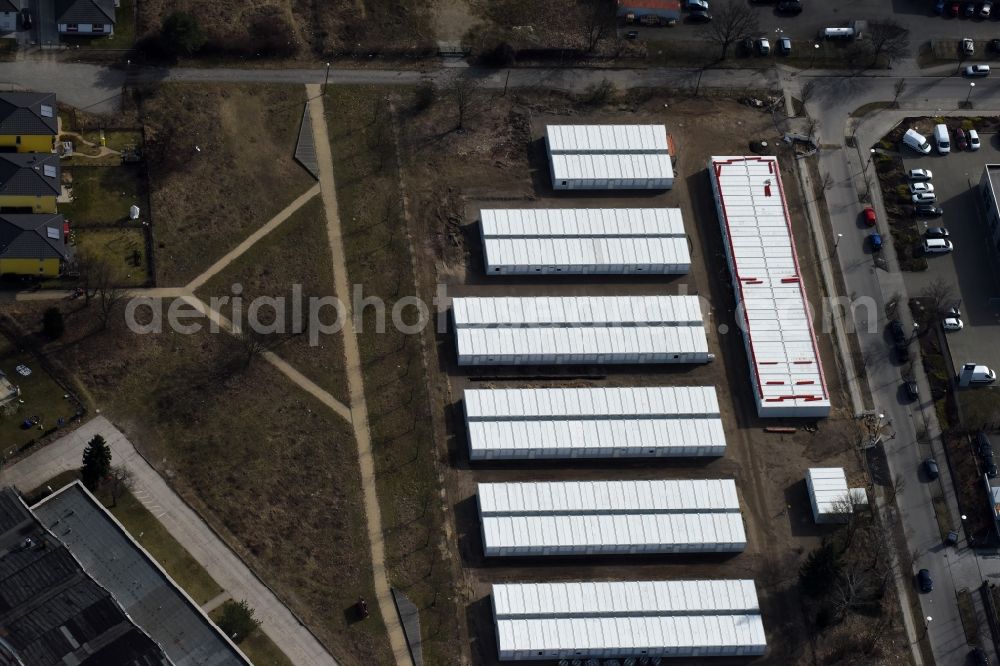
[204, 545]
[355, 378]
[252, 239]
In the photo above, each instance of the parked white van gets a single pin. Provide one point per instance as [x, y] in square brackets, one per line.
[838, 33]
[980, 374]
[937, 246]
[942, 139]
[916, 140]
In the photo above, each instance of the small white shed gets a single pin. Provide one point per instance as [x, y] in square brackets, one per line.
[832, 501]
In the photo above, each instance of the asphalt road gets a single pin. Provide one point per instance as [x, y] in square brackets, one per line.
[831, 104]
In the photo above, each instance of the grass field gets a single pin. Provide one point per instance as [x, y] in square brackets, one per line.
[258, 646]
[271, 468]
[221, 165]
[41, 395]
[102, 196]
[119, 248]
[297, 252]
[403, 444]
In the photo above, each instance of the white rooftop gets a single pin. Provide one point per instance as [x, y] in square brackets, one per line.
[606, 138]
[786, 368]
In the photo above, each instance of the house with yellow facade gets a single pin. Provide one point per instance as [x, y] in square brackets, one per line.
[32, 244]
[29, 122]
[29, 182]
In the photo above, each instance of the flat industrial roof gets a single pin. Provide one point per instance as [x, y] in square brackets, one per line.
[577, 311]
[781, 343]
[690, 618]
[582, 222]
[606, 138]
[153, 601]
[616, 166]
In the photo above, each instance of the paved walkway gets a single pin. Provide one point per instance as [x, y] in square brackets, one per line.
[355, 377]
[184, 524]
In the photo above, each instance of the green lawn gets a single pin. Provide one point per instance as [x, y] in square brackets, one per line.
[123, 37]
[102, 196]
[258, 646]
[115, 139]
[119, 247]
[41, 396]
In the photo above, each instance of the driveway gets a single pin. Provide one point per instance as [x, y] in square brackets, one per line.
[969, 268]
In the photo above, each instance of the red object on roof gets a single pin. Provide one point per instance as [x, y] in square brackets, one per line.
[65, 227]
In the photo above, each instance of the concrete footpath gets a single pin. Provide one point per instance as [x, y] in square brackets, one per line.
[228, 570]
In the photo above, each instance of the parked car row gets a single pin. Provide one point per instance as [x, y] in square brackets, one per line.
[699, 10]
[954, 8]
[985, 450]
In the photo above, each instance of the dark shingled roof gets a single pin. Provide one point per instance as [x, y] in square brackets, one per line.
[25, 236]
[24, 174]
[51, 611]
[21, 113]
[85, 11]
[9, 6]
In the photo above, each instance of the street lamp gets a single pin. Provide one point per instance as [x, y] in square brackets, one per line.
[972, 85]
[927, 625]
[836, 243]
[327, 79]
[815, 50]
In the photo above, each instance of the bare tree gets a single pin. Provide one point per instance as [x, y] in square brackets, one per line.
[827, 182]
[940, 296]
[733, 20]
[102, 280]
[889, 39]
[850, 590]
[898, 88]
[252, 344]
[463, 90]
[807, 92]
[597, 21]
[119, 482]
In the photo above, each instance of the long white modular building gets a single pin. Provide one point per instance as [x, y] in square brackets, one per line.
[609, 157]
[610, 517]
[584, 240]
[605, 620]
[593, 422]
[606, 139]
[785, 366]
[579, 329]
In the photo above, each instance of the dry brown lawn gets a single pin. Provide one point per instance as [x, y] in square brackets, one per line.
[221, 165]
[270, 467]
[297, 252]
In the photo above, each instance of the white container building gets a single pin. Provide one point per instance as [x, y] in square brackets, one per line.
[579, 329]
[608, 620]
[832, 501]
[509, 424]
[584, 240]
[772, 306]
[625, 171]
[609, 157]
[606, 139]
[610, 517]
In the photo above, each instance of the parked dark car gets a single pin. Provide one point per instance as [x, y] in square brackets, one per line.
[983, 446]
[952, 538]
[924, 580]
[991, 470]
[954, 8]
[936, 232]
[931, 468]
[939, 7]
[26, 21]
[632, 34]
[928, 210]
[912, 390]
[979, 657]
[969, 10]
[790, 7]
[699, 16]
[961, 141]
[876, 242]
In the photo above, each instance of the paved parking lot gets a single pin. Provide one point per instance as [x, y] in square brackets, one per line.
[969, 268]
[916, 15]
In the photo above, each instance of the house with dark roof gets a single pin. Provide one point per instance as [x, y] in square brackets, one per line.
[29, 122]
[52, 612]
[85, 17]
[8, 16]
[29, 182]
[32, 244]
